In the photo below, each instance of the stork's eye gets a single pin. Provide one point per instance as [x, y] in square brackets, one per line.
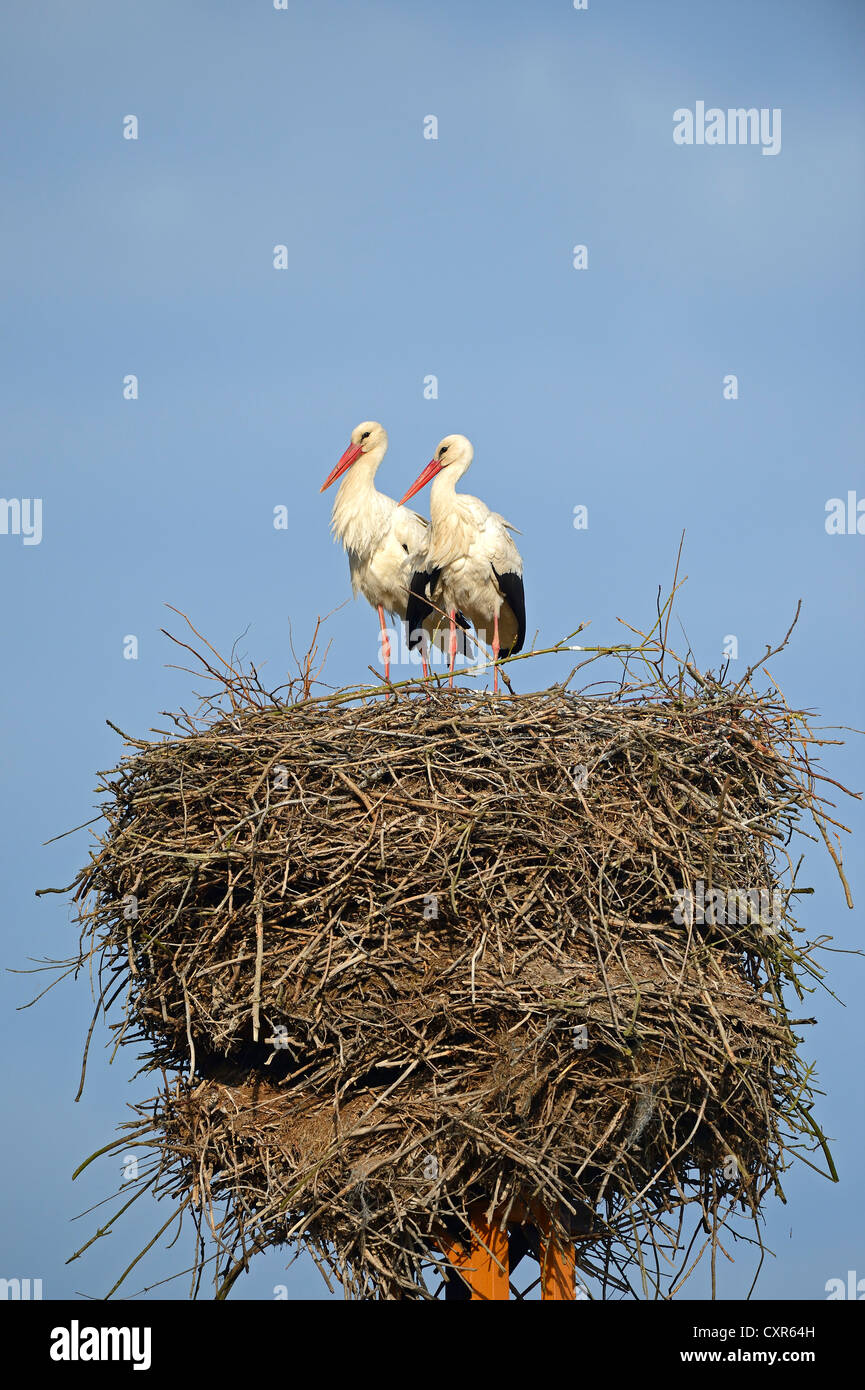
[364, 436]
[443, 451]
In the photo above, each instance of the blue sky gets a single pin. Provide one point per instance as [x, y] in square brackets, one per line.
[410, 257]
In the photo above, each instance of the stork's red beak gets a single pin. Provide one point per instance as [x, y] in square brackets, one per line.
[433, 467]
[352, 453]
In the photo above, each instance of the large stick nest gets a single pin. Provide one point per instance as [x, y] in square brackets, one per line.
[408, 954]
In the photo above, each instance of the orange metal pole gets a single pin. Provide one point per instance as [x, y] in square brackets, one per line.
[485, 1267]
[558, 1264]
[490, 1276]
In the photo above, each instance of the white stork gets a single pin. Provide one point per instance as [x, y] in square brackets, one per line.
[386, 543]
[471, 564]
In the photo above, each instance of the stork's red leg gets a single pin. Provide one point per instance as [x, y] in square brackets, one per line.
[453, 618]
[385, 643]
[496, 650]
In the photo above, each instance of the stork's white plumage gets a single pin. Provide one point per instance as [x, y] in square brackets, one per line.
[472, 563]
[386, 543]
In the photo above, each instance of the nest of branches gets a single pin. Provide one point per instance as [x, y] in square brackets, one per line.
[395, 955]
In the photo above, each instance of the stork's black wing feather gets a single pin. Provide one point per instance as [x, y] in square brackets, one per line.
[420, 591]
[463, 639]
[419, 607]
[511, 586]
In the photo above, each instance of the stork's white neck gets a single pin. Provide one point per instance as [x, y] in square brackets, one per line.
[443, 490]
[358, 506]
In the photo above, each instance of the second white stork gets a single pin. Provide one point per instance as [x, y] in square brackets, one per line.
[472, 563]
[386, 543]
